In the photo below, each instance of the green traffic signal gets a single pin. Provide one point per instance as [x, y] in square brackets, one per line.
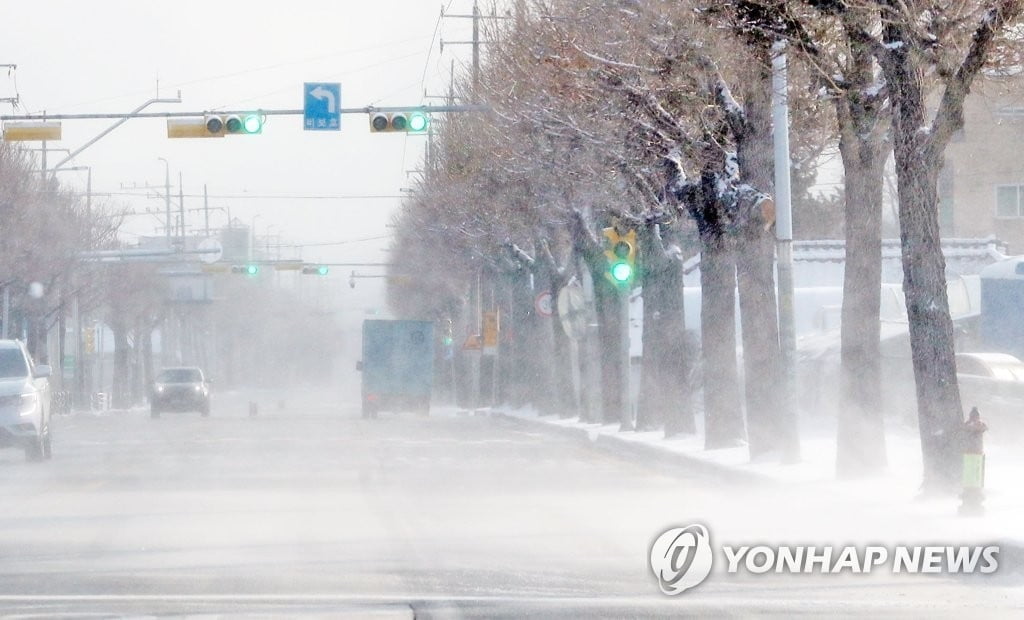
[252, 123]
[622, 272]
[252, 269]
[322, 270]
[418, 122]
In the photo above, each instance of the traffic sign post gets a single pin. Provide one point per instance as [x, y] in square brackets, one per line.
[322, 106]
[542, 303]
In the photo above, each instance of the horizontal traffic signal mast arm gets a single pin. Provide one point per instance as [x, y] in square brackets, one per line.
[281, 112]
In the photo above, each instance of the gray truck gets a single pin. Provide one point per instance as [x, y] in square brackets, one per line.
[397, 366]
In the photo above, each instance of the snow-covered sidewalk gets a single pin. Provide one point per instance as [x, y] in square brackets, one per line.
[897, 488]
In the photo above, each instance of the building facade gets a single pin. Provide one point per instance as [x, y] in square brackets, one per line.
[981, 186]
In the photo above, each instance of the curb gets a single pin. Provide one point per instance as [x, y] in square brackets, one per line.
[674, 462]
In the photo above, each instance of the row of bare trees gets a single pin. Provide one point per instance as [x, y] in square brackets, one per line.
[655, 115]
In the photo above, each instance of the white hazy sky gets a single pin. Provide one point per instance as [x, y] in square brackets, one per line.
[77, 56]
[108, 56]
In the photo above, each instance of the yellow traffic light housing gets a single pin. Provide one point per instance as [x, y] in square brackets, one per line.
[414, 121]
[620, 250]
[215, 125]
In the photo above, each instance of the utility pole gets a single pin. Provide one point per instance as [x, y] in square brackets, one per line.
[475, 41]
[784, 252]
[181, 211]
[206, 211]
[11, 67]
[476, 48]
[167, 198]
[626, 401]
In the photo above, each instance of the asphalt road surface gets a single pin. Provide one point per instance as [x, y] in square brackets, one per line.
[306, 509]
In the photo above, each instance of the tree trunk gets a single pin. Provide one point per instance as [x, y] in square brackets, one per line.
[564, 392]
[608, 317]
[770, 428]
[924, 279]
[860, 436]
[146, 349]
[121, 391]
[516, 328]
[664, 400]
[552, 279]
[723, 414]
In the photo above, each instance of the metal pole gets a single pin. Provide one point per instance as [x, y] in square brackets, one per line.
[88, 200]
[784, 251]
[476, 48]
[428, 109]
[626, 411]
[181, 211]
[206, 210]
[79, 353]
[124, 119]
[167, 197]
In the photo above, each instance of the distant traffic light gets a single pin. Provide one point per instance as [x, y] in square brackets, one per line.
[88, 340]
[215, 125]
[620, 250]
[315, 270]
[249, 270]
[414, 121]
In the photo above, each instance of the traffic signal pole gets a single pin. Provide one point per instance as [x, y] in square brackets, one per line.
[278, 112]
[626, 408]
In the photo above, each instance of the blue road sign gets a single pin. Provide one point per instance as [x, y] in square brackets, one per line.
[322, 107]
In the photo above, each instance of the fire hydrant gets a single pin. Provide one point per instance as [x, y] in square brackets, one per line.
[974, 465]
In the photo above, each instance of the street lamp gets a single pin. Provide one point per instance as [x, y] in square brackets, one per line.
[167, 198]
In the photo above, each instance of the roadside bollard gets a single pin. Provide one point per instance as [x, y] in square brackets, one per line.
[253, 409]
[974, 465]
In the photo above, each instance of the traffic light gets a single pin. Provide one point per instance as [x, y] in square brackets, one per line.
[315, 270]
[215, 125]
[620, 250]
[447, 337]
[88, 340]
[249, 270]
[234, 124]
[409, 122]
[419, 122]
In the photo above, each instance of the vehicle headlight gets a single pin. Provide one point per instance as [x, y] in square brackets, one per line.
[28, 403]
[199, 388]
[160, 388]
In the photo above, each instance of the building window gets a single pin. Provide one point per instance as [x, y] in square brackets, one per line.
[1008, 201]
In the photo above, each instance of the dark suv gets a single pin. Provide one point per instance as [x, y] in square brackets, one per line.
[180, 389]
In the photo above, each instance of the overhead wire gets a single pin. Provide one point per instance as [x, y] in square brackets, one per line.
[245, 71]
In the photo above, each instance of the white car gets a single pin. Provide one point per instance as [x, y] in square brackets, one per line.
[993, 382]
[24, 402]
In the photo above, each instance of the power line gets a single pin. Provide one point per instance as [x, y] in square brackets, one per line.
[329, 243]
[210, 78]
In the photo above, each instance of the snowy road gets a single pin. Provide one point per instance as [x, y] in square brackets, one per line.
[311, 510]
